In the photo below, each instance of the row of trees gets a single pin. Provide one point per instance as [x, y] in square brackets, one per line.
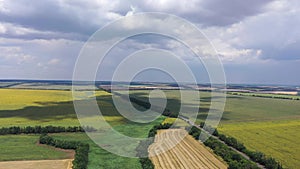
[43, 129]
[274, 96]
[154, 129]
[259, 157]
[233, 159]
[142, 149]
[81, 149]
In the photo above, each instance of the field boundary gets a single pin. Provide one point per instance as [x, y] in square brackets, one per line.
[261, 160]
[81, 149]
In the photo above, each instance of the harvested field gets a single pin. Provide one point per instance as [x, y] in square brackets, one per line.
[188, 153]
[41, 164]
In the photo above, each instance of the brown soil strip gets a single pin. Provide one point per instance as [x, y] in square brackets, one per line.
[40, 164]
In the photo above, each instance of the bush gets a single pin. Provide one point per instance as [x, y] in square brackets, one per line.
[142, 149]
[146, 163]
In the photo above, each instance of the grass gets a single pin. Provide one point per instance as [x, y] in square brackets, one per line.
[279, 139]
[24, 147]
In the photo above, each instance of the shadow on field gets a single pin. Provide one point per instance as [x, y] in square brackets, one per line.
[55, 111]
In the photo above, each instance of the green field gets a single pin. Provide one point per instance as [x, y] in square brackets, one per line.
[100, 158]
[22, 107]
[24, 147]
[271, 126]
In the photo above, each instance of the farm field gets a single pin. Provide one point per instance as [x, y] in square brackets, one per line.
[41, 164]
[279, 139]
[98, 157]
[237, 108]
[25, 147]
[278, 122]
[22, 107]
[263, 124]
[188, 153]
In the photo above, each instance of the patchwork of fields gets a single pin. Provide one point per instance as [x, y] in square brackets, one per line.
[271, 126]
[262, 124]
[23, 107]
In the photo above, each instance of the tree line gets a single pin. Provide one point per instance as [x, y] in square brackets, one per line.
[142, 148]
[259, 157]
[274, 96]
[233, 159]
[43, 129]
[81, 149]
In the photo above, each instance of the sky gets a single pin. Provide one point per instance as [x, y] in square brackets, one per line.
[257, 41]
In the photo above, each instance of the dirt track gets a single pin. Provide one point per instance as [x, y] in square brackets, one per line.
[38, 164]
[188, 153]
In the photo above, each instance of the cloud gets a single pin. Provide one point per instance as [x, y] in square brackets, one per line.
[58, 16]
[53, 61]
[71, 18]
[208, 13]
[8, 30]
[13, 54]
[46, 36]
[269, 35]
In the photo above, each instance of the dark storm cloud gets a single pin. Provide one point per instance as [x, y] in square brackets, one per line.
[288, 52]
[46, 15]
[85, 17]
[227, 12]
[208, 13]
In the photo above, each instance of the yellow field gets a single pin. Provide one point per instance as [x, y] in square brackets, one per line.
[26, 107]
[13, 99]
[279, 139]
[169, 120]
[41, 164]
[184, 152]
